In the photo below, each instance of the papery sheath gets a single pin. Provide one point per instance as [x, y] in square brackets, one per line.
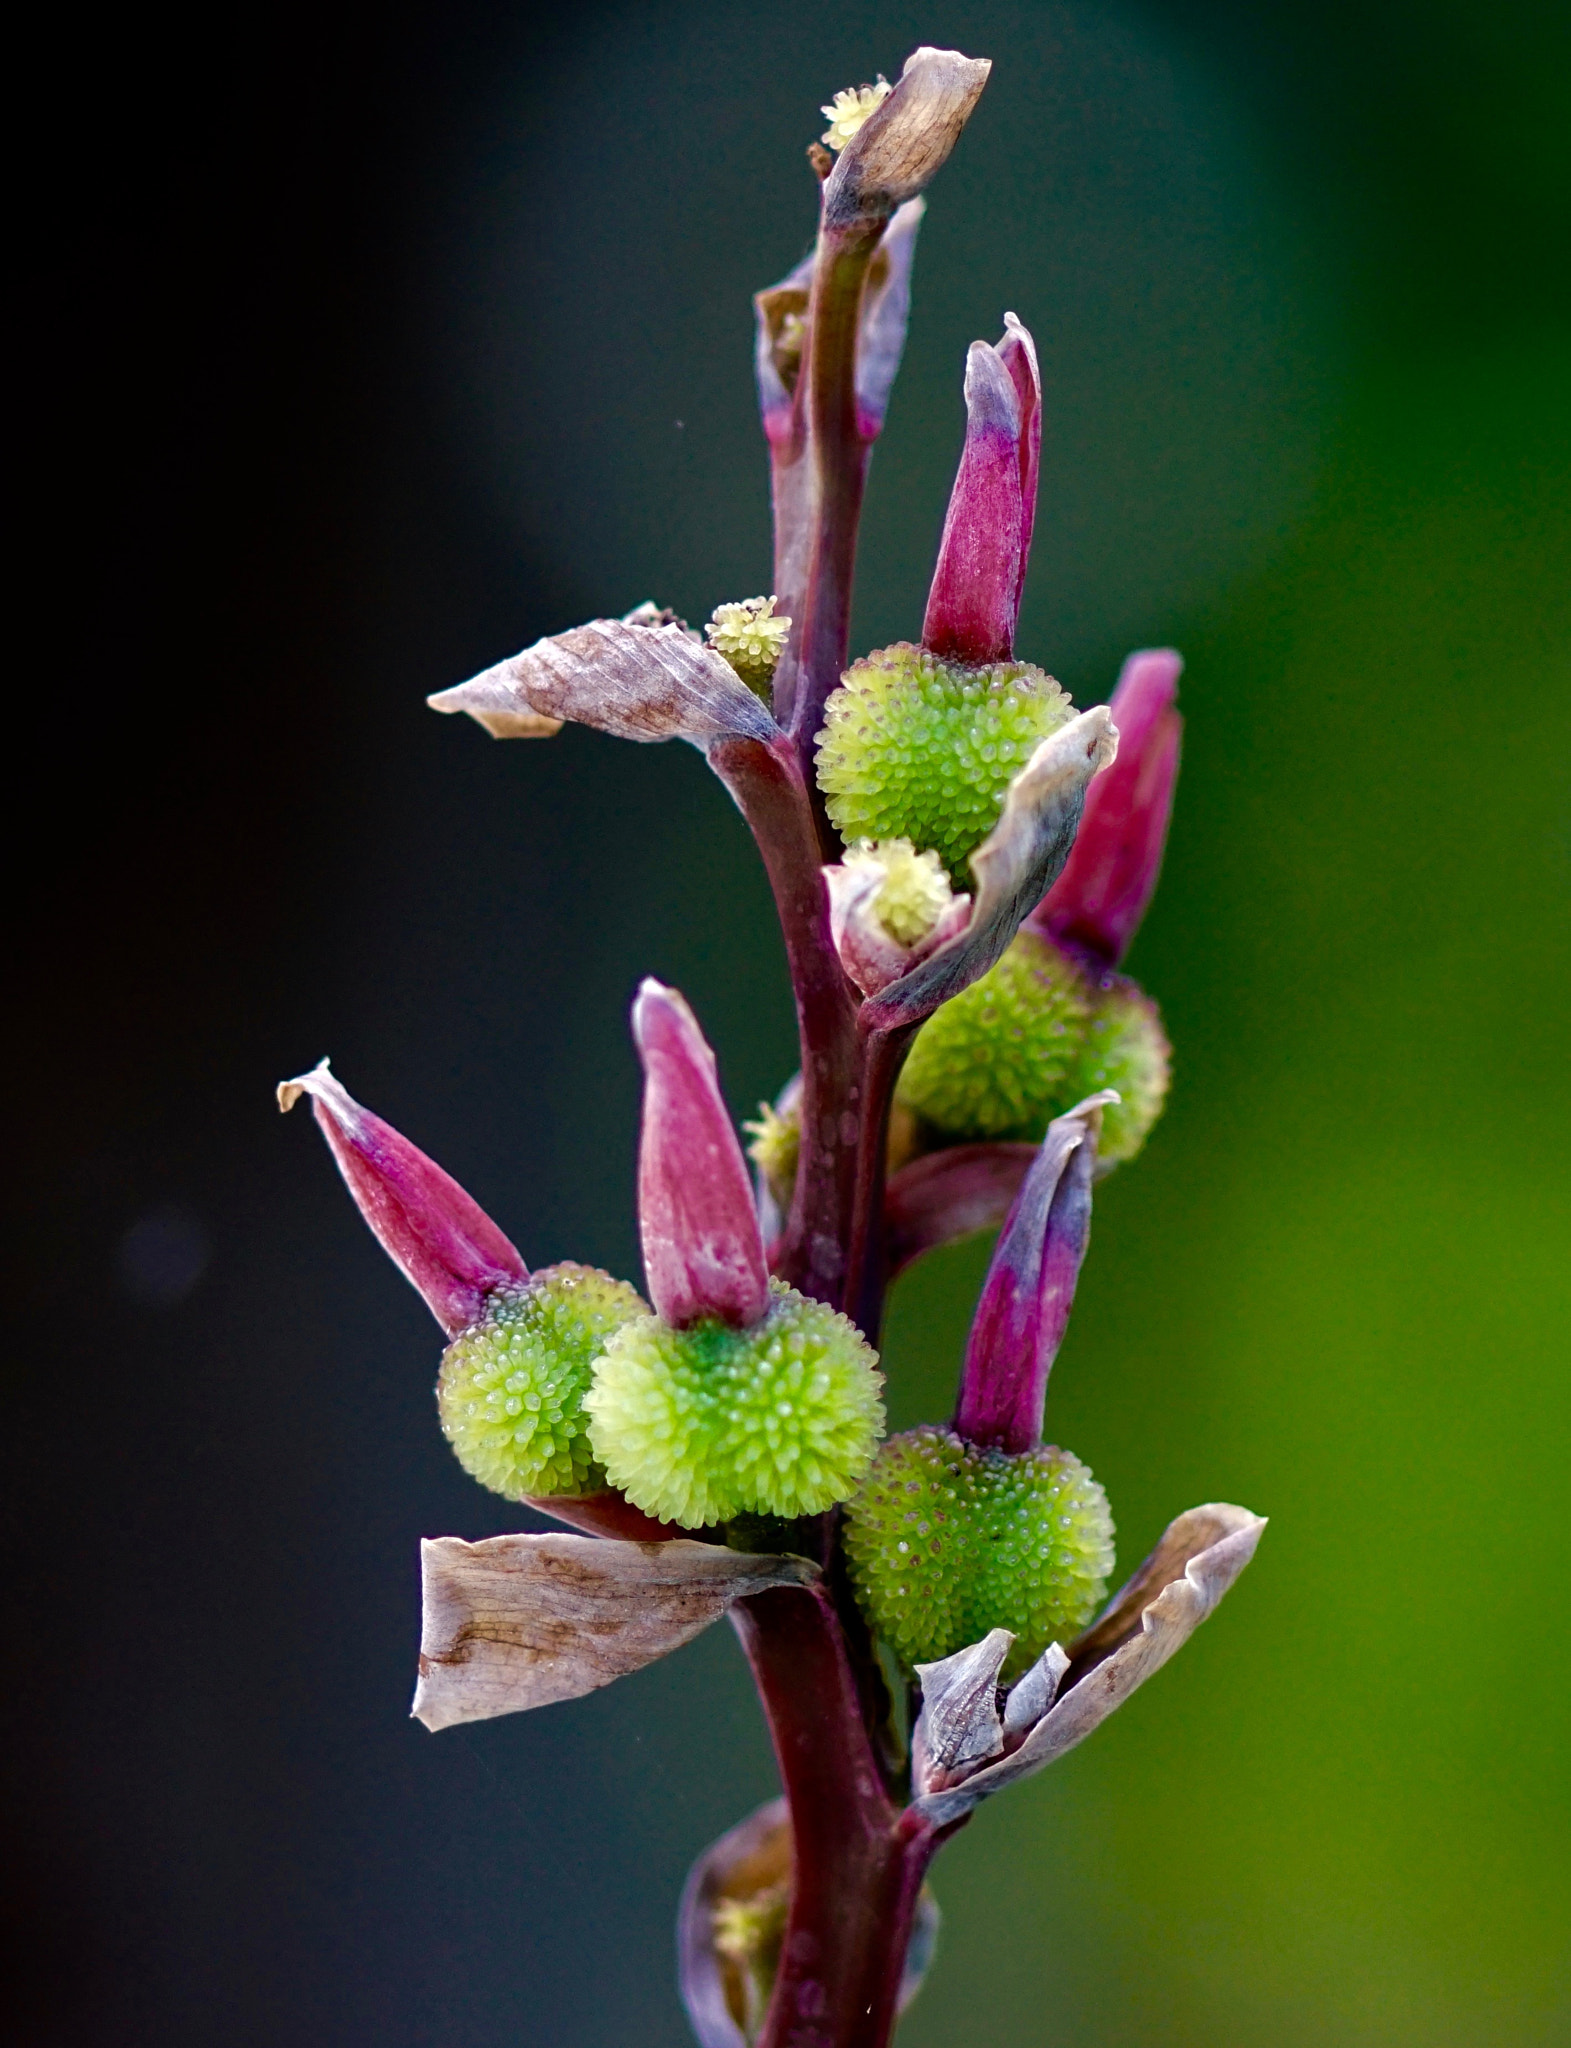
[886, 307]
[703, 1249]
[439, 1237]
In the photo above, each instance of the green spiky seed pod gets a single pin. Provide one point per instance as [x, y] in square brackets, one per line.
[511, 1388]
[1001, 1059]
[702, 1424]
[947, 1540]
[913, 748]
[1125, 1048]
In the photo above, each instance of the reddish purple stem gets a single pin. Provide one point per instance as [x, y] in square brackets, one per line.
[858, 1861]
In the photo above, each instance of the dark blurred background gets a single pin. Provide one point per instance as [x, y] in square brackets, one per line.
[365, 346]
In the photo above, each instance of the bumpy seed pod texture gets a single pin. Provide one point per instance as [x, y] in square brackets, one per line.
[701, 1424]
[913, 748]
[511, 1389]
[1029, 1040]
[947, 1540]
[998, 1061]
[1127, 1049]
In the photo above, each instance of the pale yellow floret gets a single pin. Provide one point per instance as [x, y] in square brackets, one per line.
[774, 1141]
[848, 110]
[750, 637]
[916, 891]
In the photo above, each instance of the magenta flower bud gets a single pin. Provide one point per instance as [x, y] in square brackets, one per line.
[703, 1249]
[440, 1238]
[974, 603]
[1030, 1288]
[1101, 896]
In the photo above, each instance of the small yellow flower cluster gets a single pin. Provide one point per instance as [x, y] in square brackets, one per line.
[774, 1144]
[848, 110]
[915, 892]
[751, 638]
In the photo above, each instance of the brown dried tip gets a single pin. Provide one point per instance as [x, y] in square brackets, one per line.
[906, 141]
[823, 163]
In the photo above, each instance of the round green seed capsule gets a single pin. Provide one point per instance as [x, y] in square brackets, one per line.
[1001, 1059]
[698, 1425]
[512, 1385]
[947, 1541]
[913, 748]
[1125, 1048]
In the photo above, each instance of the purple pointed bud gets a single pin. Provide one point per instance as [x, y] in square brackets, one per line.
[1030, 1287]
[703, 1249]
[440, 1238]
[1017, 353]
[1101, 896]
[972, 605]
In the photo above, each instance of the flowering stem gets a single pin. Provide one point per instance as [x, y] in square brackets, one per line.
[767, 783]
[858, 1862]
[836, 451]
[883, 1055]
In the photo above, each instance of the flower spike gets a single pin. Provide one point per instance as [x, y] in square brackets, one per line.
[1108, 880]
[1030, 1287]
[703, 1250]
[440, 1238]
[973, 606]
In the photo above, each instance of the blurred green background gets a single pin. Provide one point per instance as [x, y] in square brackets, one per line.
[446, 344]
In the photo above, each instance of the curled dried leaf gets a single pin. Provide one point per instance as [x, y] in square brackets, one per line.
[958, 1727]
[631, 677]
[1014, 866]
[1153, 1616]
[520, 1621]
[905, 142]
